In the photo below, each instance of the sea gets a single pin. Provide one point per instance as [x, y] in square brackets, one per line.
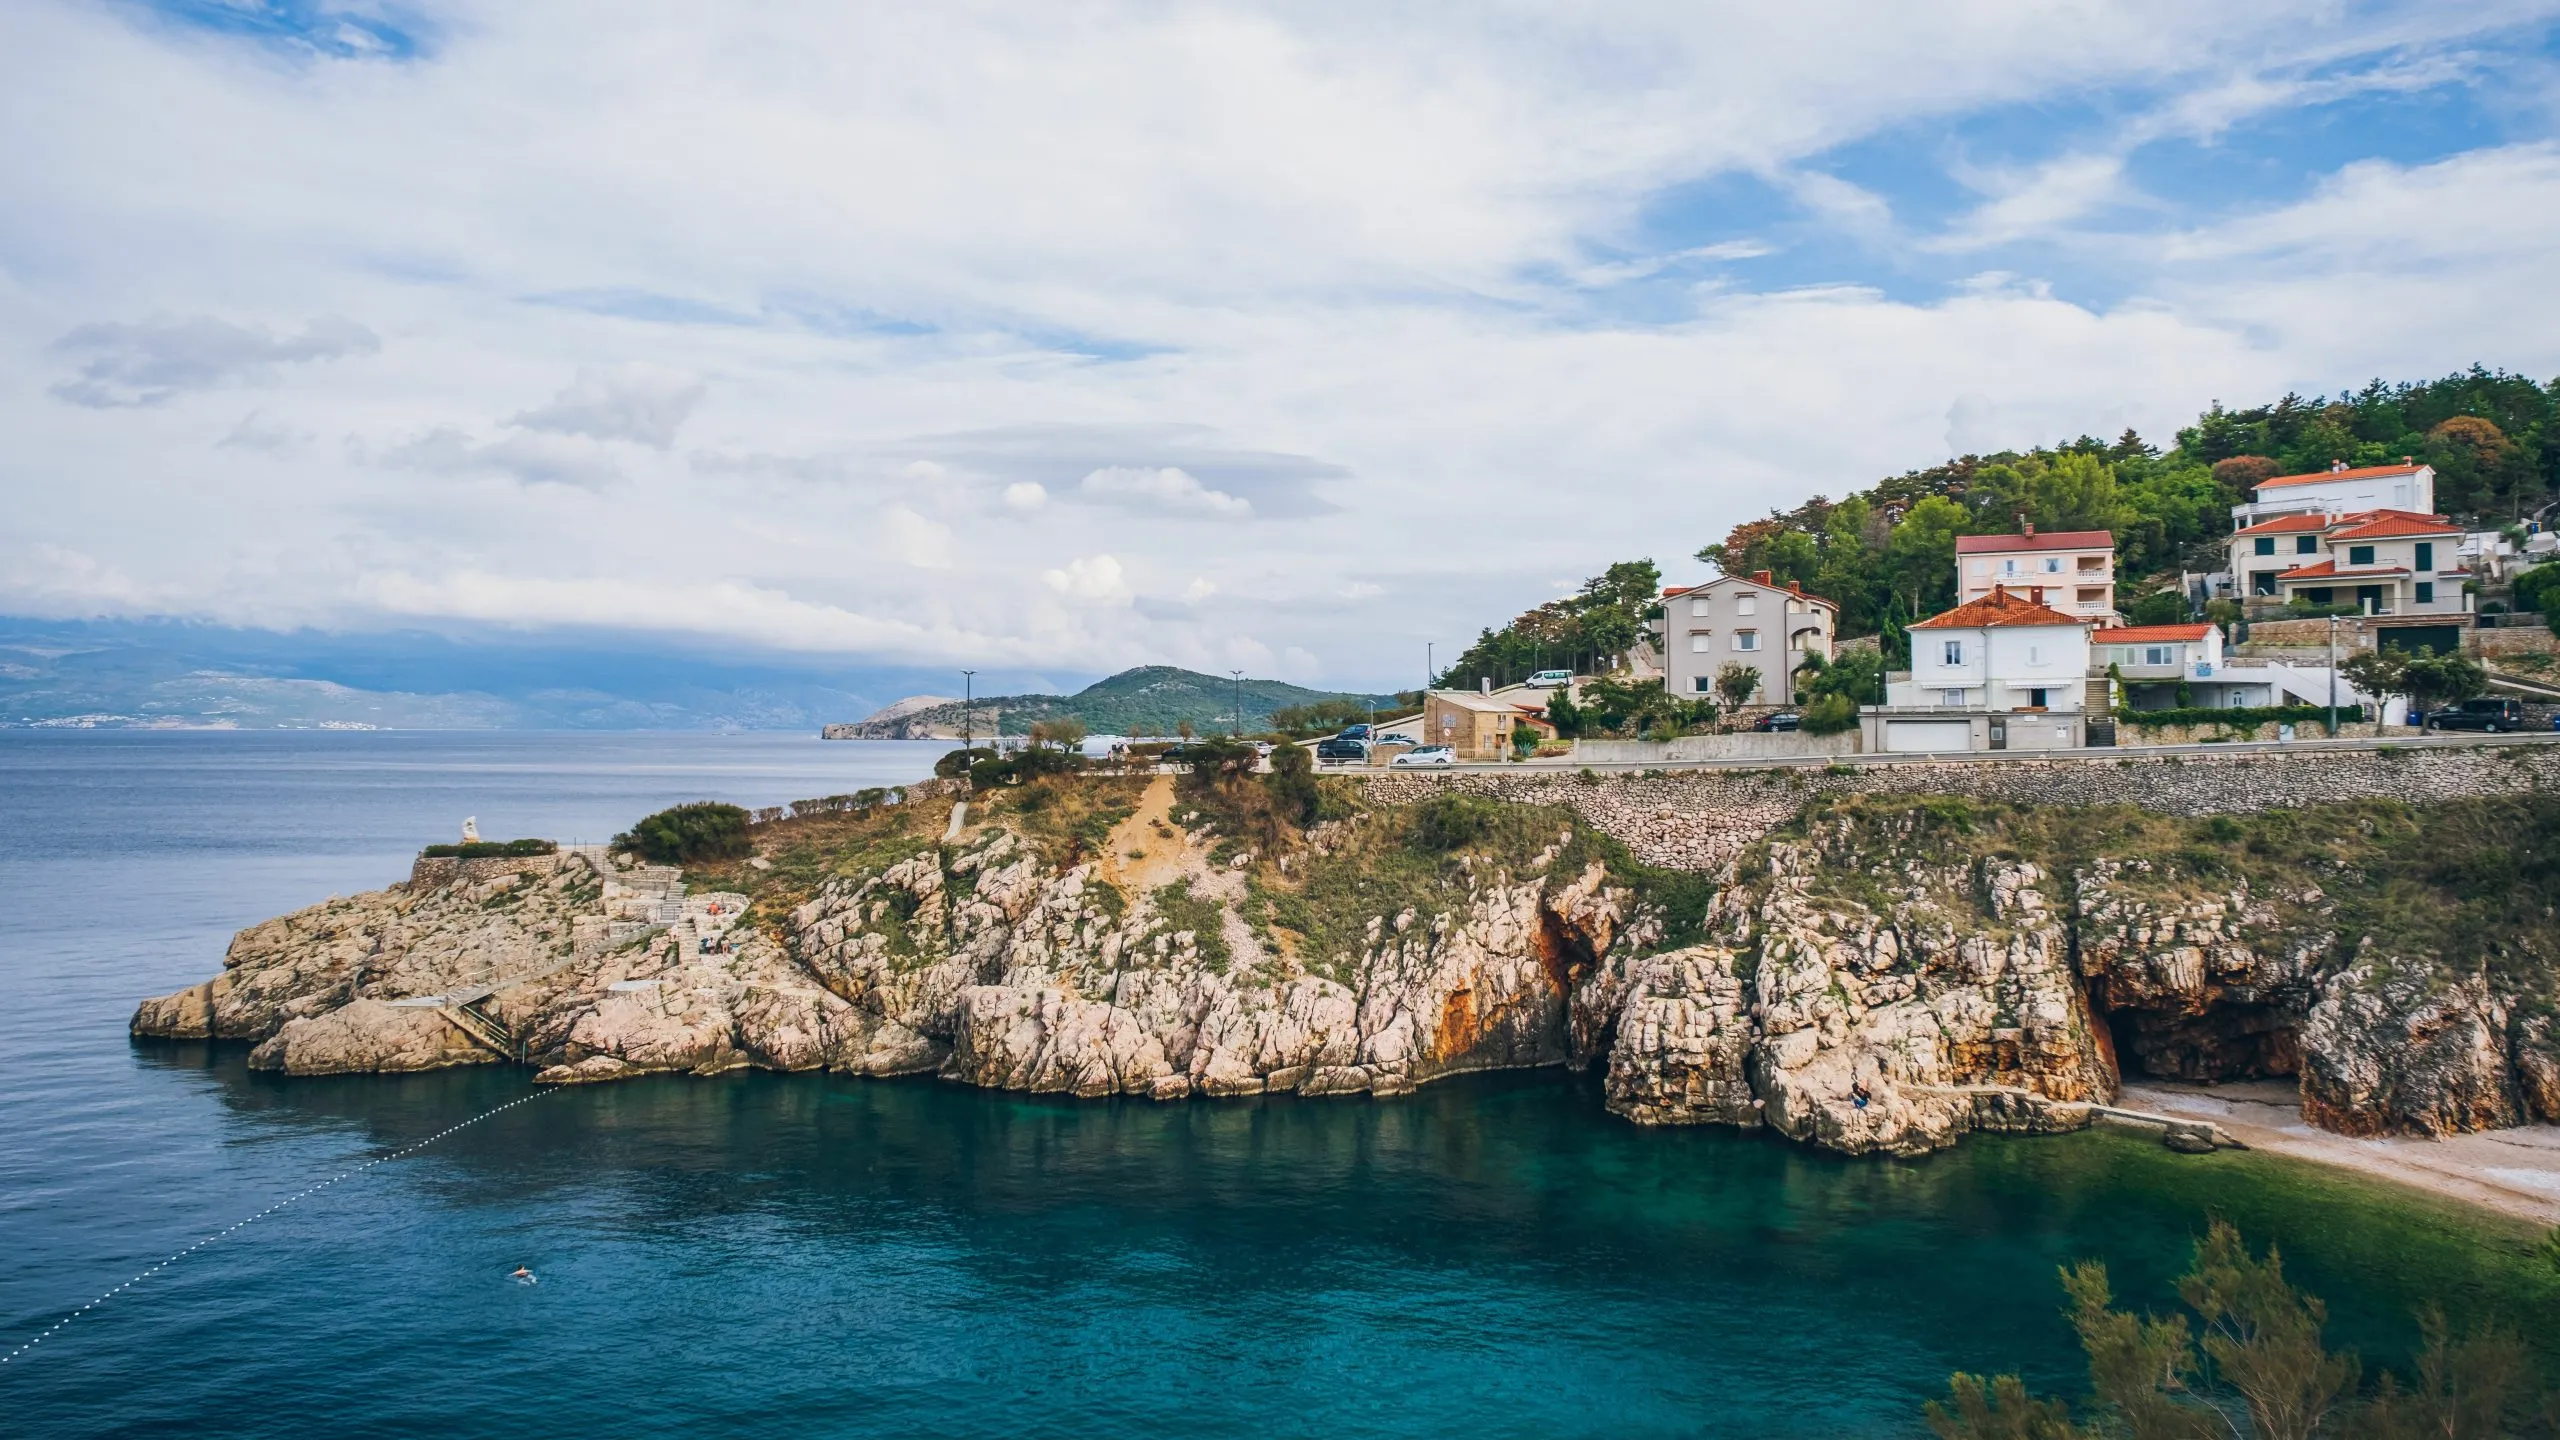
[814, 1255]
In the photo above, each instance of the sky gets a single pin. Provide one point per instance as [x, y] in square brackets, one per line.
[1055, 339]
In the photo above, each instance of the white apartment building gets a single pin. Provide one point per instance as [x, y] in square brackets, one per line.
[1753, 621]
[2407, 486]
[2076, 568]
[2383, 562]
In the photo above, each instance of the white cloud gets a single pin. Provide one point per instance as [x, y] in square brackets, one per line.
[1200, 588]
[533, 459]
[1164, 488]
[1094, 578]
[1025, 495]
[908, 536]
[149, 362]
[639, 403]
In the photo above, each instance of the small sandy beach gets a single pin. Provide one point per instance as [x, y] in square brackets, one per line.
[2515, 1172]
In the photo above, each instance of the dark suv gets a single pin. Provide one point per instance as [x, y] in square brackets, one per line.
[2489, 715]
[1343, 747]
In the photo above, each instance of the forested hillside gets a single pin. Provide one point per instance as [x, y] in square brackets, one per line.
[1886, 553]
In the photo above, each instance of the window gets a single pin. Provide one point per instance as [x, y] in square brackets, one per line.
[1746, 604]
[2035, 654]
[2035, 699]
[1746, 639]
[2359, 554]
[2008, 567]
[2053, 564]
[2426, 592]
[2158, 655]
[1703, 685]
[1698, 605]
[2426, 555]
[1954, 652]
[1951, 697]
[2306, 544]
[2266, 545]
[1701, 641]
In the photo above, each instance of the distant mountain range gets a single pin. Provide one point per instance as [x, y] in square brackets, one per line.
[120, 673]
[1150, 700]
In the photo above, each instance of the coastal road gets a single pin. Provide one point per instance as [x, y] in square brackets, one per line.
[2097, 755]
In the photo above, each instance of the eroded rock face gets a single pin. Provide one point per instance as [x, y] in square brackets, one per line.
[1865, 985]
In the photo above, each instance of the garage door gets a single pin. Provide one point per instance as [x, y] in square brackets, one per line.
[1914, 737]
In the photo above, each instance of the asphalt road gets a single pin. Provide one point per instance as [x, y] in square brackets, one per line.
[2098, 755]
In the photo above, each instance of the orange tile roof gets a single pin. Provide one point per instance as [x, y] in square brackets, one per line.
[2314, 478]
[2139, 634]
[2393, 524]
[2058, 540]
[2001, 607]
[2328, 570]
[2284, 523]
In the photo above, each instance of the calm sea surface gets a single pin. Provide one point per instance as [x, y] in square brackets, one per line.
[815, 1256]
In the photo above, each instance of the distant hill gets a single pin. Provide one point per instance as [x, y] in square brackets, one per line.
[1150, 700]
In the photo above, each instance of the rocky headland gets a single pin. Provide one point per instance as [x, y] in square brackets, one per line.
[1869, 961]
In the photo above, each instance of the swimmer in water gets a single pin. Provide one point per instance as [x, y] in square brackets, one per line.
[522, 1276]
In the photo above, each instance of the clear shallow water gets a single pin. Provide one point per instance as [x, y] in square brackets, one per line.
[839, 1257]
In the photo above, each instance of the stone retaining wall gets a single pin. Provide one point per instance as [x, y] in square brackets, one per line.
[434, 872]
[1702, 819]
[1777, 745]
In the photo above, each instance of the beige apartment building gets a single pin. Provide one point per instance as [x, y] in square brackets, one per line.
[2383, 562]
[1748, 620]
[2075, 569]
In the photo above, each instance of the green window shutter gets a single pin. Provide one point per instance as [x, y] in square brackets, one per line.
[2426, 555]
[2266, 544]
[2359, 554]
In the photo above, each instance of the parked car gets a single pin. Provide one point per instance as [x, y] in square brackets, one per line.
[1549, 679]
[1352, 732]
[2487, 714]
[1342, 747]
[1427, 755]
[1785, 720]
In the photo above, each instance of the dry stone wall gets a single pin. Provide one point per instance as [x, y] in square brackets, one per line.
[1702, 819]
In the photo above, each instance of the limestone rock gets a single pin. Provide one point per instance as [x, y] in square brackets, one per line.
[368, 1036]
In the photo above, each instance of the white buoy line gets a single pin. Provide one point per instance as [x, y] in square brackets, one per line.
[308, 1190]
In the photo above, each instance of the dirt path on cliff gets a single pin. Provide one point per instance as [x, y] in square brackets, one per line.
[2515, 1172]
[1148, 851]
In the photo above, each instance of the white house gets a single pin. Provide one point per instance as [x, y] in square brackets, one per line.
[2076, 568]
[2153, 661]
[2005, 672]
[1753, 621]
[2340, 491]
[2383, 562]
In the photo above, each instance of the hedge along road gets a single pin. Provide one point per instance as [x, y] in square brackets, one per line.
[2099, 754]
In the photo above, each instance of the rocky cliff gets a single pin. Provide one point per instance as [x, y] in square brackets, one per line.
[1874, 973]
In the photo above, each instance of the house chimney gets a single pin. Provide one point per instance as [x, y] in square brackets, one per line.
[1762, 576]
[2026, 527]
[1487, 684]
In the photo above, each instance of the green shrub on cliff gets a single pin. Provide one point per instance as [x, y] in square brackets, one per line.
[684, 834]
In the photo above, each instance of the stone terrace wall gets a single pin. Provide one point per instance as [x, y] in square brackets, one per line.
[1702, 819]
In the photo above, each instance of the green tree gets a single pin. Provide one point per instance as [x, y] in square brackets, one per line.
[1998, 1409]
[2160, 607]
[2263, 1337]
[684, 834]
[1292, 783]
[1736, 683]
[2077, 492]
[1921, 556]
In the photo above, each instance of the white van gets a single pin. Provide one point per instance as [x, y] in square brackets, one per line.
[1550, 679]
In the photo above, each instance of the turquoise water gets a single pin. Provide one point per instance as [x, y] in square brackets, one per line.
[1490, 1257]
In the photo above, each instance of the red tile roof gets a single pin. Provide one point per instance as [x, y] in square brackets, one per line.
[2284, 523]
[2328, 570]
[2392, 525]
[2002, 606]
[2315, 477]
[2141, 634]
[2058, 540]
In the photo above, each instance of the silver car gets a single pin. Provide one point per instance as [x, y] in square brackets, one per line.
[1427, 755]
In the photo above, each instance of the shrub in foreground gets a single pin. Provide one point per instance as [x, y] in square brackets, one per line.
[703, 830]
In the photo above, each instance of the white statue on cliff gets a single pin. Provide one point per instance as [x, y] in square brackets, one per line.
[470, 829]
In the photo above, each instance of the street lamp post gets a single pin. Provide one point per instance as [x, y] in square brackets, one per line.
[968, 709]
[1239, 717]
[2333, 677]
